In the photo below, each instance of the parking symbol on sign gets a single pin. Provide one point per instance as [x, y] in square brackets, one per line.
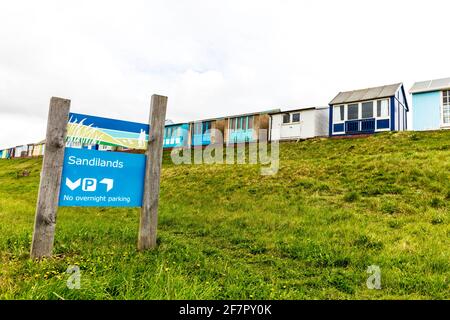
[89, 184]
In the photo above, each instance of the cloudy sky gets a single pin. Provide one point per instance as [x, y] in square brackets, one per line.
[211, 58]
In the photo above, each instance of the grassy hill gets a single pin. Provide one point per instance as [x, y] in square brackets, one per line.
[226, 232]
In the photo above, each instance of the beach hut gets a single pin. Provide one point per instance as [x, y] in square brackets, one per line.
[21, 151]
[300, 123]
[38, 149]
[206, 132]
[246, 127]
[4, 154]
[431, 104]
[30, 148]
[176, 135]
[368, 111]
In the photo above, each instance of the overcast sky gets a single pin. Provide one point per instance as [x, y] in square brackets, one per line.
[211, 58]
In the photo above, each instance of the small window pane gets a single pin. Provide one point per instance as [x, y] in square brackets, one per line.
[250, 122]
[296, 117]
[446, 114]
[352, 112]
[367, 110]
[244, 123]
[239, 123]
[338, 113]
[206, 126]
[382, 109]
[286, 118]
[233, 123]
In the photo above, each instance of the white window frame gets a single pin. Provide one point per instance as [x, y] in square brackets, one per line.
[374, 109]
[382, 118]
[359, 111]
[339, 122]
[345, 113]
[282, 119]
[444, 125]
[388, 108]
[299, 117]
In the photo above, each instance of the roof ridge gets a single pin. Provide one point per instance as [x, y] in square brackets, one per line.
[430, 85]
[369, 88]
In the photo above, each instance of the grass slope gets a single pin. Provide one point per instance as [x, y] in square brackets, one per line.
[226, 232]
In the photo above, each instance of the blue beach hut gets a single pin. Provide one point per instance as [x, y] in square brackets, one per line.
[431, 104]
[369, 110]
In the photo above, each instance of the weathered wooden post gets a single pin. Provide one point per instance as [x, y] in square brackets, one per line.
[149, 210]
[47, 203]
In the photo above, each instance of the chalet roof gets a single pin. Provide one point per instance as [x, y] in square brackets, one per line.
[366, 94]
[430, 85]
[239, 115]
[299, 109]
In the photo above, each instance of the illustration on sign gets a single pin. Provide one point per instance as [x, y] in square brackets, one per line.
[102, 179]
[96, 130]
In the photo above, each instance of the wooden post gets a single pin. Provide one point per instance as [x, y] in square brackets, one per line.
[149, 210]
[47, 203]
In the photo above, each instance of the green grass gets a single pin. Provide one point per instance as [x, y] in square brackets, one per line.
[226, 232]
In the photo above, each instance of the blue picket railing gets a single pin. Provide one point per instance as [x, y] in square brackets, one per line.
[360, 126]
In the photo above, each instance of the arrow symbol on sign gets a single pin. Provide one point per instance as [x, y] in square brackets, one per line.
[73, 185]
[109, 183]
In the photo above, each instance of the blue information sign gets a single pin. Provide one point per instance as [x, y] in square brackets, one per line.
[94, 178]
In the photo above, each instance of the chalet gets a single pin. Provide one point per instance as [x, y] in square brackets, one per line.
[369, 110]
[300, 123]
[431, 104]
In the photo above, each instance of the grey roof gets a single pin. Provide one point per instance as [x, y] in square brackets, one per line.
[299, 109]
[254, 113]
[238, 115]
[430, 85]
[366, 94]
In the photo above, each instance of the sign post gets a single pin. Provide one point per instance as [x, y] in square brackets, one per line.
[47, 203]
[149, 209]
[79, 177]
